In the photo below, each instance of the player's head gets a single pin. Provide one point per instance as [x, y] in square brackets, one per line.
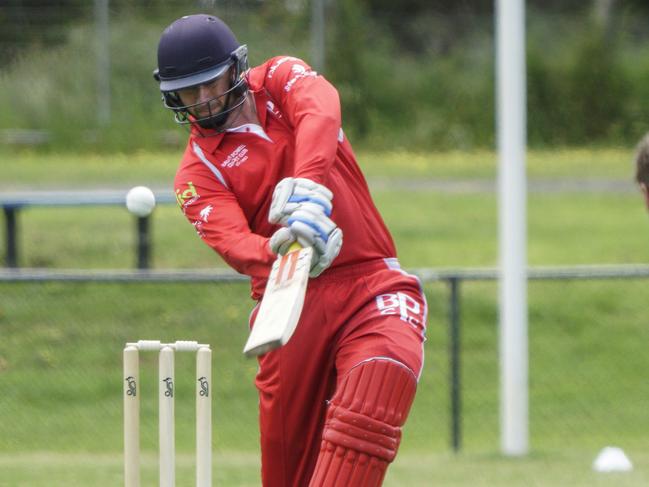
[201, 71]
[642, 167]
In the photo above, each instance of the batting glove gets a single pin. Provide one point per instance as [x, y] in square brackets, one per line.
[283, 238]
[311, 226]
[322, 261]
[291, 193]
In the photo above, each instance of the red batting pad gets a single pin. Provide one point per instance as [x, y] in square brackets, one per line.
[362, 431]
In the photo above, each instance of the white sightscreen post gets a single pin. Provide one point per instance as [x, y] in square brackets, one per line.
[511, 121]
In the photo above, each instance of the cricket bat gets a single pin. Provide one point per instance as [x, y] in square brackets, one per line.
[282, 303]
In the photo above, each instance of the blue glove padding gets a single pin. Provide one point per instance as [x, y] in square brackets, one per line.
[291, 193]
[311, 226]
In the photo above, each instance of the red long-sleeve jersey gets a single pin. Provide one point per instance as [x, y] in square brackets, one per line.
[225, 182]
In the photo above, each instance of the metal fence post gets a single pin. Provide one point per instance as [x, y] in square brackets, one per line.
[143, 242]
[454, 362]
[11, 222]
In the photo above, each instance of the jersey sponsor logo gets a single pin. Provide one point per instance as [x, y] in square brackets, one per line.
[299, 72]
[237, 157]
[205, 213]
[402, 305]
[188, 196]
[278, 63]
[198, 226]
[272, 109]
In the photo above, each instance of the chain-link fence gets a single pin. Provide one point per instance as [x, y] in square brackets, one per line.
[60, 360]
[60, 363]
[586, 341]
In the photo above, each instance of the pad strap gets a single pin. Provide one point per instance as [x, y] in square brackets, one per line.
[362, 433]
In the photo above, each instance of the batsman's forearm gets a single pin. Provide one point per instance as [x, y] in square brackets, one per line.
[249, 255]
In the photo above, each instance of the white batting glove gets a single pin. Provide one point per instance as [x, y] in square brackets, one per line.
[291, 193]
[322, 261]
[283, 238]
[311, 226]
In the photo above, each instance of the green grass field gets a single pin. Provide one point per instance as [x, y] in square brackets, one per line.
[60, 352]
[24, 169]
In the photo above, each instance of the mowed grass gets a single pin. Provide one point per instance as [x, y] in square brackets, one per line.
[412, 470]
[430, 230]
[28, 169]
[60, 352]
[64, 386]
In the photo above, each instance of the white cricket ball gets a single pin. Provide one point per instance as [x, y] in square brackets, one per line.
[140, 201]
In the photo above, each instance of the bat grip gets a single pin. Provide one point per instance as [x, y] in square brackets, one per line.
[294, 246]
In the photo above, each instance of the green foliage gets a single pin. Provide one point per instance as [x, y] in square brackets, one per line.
[347, 66]
[62, 91]
[582, 97]
[587, 84]
[46, 21]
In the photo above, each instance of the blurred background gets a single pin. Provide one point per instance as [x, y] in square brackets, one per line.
[81, 122]
[415, 74]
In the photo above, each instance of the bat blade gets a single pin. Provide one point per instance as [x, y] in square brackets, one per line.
[282, 303]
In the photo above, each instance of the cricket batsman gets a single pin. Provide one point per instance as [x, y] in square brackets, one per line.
[267, 164]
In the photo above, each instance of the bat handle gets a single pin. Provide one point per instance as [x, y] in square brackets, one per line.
[294, 246]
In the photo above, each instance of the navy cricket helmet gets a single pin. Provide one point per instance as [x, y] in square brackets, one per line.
[196, 50]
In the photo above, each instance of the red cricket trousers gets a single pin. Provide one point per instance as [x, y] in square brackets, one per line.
[350, 315]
